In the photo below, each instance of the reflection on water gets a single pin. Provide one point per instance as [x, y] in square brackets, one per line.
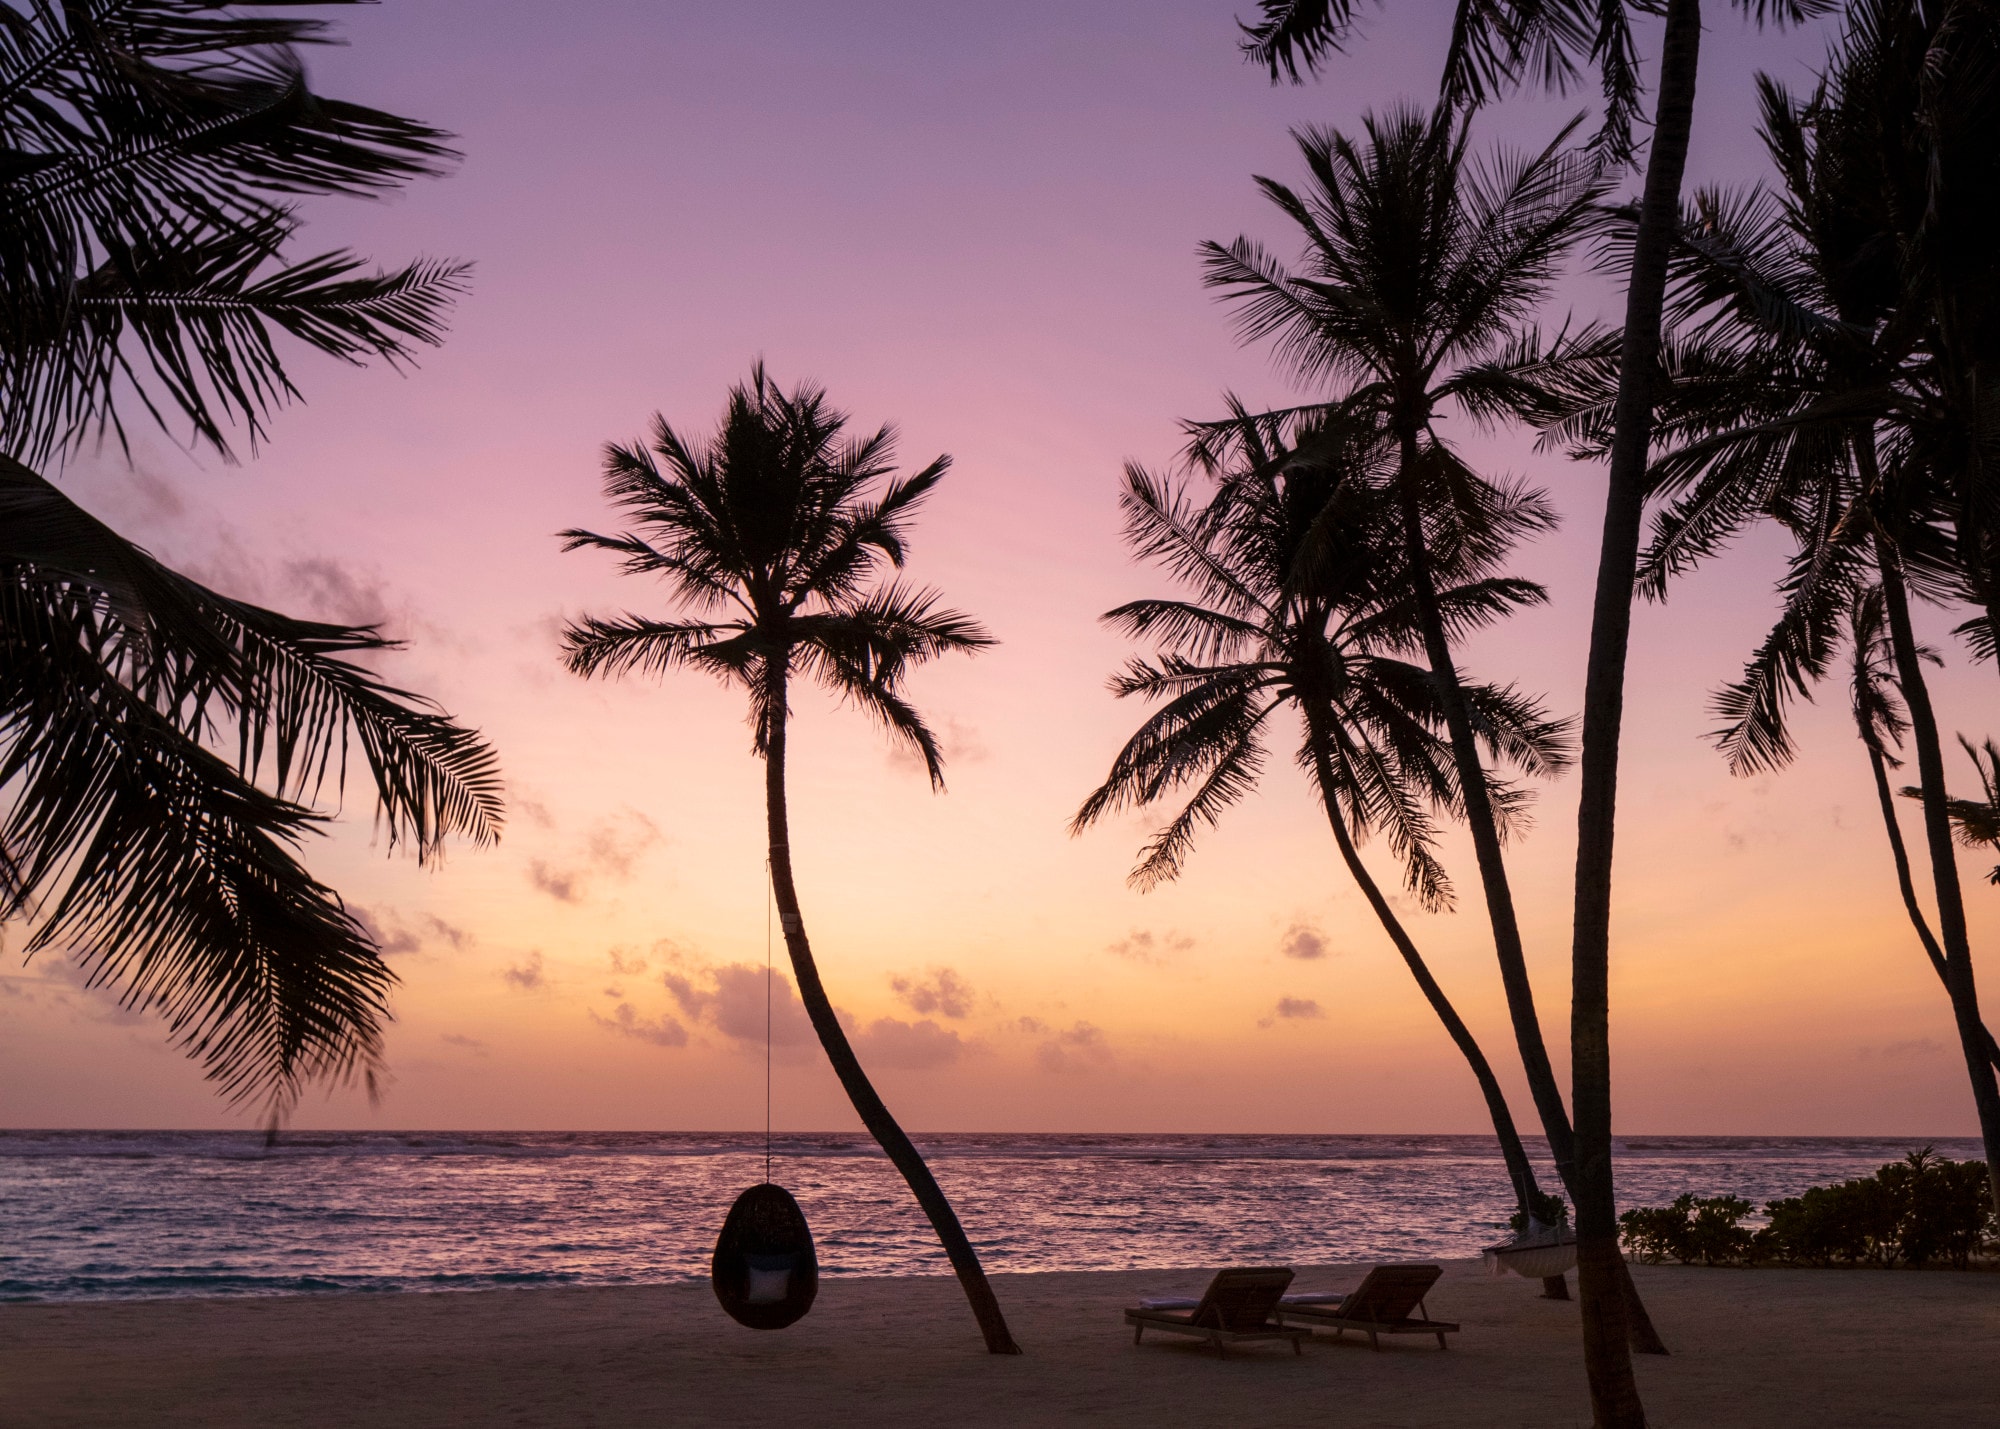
[97, 1214]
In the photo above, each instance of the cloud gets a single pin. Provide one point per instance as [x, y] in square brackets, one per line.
[958, 742]
[1304, 942]
[158, 497]
[1143, 947]
[733, 1004]
[1080, 1048]
[451, 933]
[332, 590]
[661, 1031]
[319, 587]
[393, 937]
[1914, 1047]
[559, 884]
[626, 966]
[100, 1002]
[941, 991]
[459, 1039]
[388, 934]
[1293, 1008]
[610, 850]
[534, 810]
[913, 1046]
[527, 976]
[615, 844]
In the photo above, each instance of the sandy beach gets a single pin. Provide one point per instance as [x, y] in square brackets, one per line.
[1766, 1348]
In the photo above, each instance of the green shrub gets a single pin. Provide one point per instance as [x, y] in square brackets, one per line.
[1921, 1209]
[1652, 1233]
[1548, 1211]
[1947, 1208]
[1852, 1223]
[1692, 1228]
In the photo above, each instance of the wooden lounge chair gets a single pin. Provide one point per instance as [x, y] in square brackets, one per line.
[1235, 1309]
[1380, 1305]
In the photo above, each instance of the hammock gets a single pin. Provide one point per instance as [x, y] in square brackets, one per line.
[765, 1271]
[1538, 1253]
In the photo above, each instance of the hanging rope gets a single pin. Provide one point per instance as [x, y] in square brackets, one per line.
[770, 898]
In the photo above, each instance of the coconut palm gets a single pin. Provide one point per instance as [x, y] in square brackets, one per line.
[1804, 390]
[154, 149]
[1302, 607]
[776, 534]
[1882, 725]
[1495, 46]
[156, 152]
[1421, 268]
[1977, 821]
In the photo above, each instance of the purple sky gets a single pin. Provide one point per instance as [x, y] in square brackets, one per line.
[978, 221]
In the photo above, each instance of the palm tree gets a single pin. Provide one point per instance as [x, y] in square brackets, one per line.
[1496, 45]
[1420, 271]
[1303, 603]
[1803, 390]
[1977, 821]
[155, 149]
[158, 150]
[1881, 723]
[771, 533]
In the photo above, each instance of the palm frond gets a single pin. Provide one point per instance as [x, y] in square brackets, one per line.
[170, 873]
[784, 518]
[158, 147]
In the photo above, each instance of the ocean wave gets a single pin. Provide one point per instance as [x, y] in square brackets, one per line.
[130, 1215]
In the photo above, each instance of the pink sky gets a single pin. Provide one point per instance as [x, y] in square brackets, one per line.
[978, 222]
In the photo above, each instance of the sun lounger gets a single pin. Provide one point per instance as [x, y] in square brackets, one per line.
[1380, 1305]
[1235, 1309]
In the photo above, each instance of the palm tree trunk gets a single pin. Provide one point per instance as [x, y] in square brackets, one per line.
[1614, 1394]
[1479, 818]
[1952, 933]
[1507, 942]
[874, 1115]
[1520, 1171]
[1907, 885]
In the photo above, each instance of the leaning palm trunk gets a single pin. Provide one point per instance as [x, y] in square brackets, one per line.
[853, 1080]
[1479, 817]
[1614, 1394]
[1520, 1171]
[1957, 947]
[1906, 884]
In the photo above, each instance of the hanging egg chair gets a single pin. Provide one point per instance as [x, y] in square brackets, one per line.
[765, 1271]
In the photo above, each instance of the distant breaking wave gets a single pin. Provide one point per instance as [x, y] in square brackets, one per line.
[90, 1215]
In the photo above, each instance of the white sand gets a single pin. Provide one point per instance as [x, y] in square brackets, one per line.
[1761, 1349]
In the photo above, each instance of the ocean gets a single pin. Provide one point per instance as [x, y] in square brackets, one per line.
[94, 1215]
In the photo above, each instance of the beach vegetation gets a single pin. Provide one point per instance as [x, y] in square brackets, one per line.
[1707, 1229]
[165, 746]
[780, 536]
[1925, 1209]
